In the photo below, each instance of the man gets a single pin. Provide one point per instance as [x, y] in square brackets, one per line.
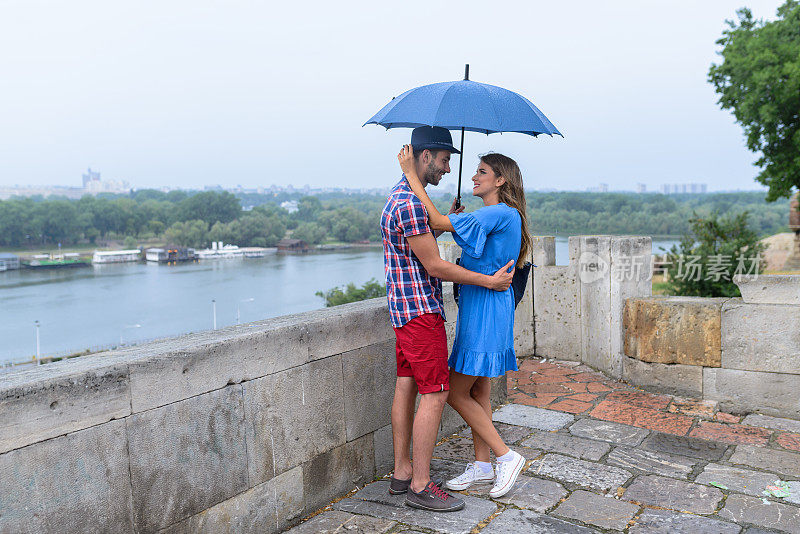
[414, 274]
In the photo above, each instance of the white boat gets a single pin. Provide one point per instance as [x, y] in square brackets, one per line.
[218, 251]
[258, 252]
[115, 256]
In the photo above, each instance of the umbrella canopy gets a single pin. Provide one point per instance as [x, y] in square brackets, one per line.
[473, 106]
[464, 105]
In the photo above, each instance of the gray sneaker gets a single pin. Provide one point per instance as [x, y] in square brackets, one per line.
[398, 486]
[434, 499]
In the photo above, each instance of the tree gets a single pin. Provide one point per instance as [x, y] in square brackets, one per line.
[188, 234]
[310, 232]
[210, 206]
[336, 296]
[709, 256]
[759, 79]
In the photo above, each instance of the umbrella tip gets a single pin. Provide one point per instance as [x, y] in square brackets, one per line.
[466, 71]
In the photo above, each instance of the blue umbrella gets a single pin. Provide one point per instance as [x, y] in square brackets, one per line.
[464, 105]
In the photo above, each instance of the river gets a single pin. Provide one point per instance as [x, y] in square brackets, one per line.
[106, 305]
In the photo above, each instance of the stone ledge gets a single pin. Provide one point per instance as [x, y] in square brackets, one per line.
[769, 288]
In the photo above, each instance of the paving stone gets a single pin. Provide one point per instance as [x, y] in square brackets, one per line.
[510, 433]
[756, 530]
[445, 469]
[374, 500]
[746, 509]
[693, 407]
[653, 419]
[534, 493]
[668, 522]
[608, 431]
[571, 406]
[789, 440]
[674, 494]
[582, 448]
[794, 492]
[515, 521]
[639, 398]
[733, 433]
[336, 522]
[741, 480]
[685, 446]
[603, 512]
[455, 449]
[782, 462]
[723, 417]
[580, 472]
[658, 463]
[778, 423]
[528, 416]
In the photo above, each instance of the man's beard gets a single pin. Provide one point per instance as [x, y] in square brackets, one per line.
[432, 175]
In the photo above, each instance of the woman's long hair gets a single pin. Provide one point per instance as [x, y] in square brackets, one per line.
[512, 194]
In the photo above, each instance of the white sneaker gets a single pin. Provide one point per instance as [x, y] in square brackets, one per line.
[472, 475]
[507, 473]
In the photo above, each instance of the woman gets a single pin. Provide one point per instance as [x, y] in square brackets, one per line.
[484, 343]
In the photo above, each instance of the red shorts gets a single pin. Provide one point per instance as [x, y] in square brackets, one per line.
[421, 352]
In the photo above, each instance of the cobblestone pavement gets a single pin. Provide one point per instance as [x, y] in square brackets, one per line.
[604, 457]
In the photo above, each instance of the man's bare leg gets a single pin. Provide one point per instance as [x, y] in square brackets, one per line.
[426, 429]
[405, 396]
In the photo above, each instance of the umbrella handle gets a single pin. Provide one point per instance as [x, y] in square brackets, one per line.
[460, 165]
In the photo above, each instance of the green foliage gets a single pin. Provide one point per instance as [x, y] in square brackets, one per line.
[129, 243]
[188, 234]
[210, 206]
[759, 79]
[310, 232]
[708, 257]
[336, 296]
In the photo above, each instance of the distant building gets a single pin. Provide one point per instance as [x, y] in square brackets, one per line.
[92, 184]
[292, 245]
[601, 188]
[90, 177]
[290, 206]
[8, 262]
[641, 188]
[675, 189]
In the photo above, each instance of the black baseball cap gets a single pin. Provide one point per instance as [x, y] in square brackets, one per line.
[432, 138]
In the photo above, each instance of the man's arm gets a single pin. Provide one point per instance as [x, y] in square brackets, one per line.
[425, 249]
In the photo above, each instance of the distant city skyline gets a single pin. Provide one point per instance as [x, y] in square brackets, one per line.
[190, 94]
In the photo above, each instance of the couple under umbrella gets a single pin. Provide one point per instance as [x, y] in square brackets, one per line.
[495, 243]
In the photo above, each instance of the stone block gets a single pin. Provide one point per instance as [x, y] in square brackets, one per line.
[369, 380]
[781, 462]
[668, 522]
[745, 509]
[769, 288]
[608, 431]
[555, 312]
[337, 522]
[673, 494]
[338, 471]
[658, 463]
[62, 397]
[186, 457]
[529, 416]
[778, 423]
[267, 508]
[307, 397]
[597, 510]
[534, 493]
[761, 337]
[674, 330]
[374, 500]
[384, 450]
[736, 391]
[457, 449]
[735, 479]
[674, 379]
[685, 446]
[73, 483]
[499, 395]
[513, 521]
[579, 472]
[594, 296]
[631, 277]
[170, 370]
[543, 250]
[585, 449]
[451, 422]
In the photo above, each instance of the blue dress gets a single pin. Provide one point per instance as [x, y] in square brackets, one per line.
[489, 238]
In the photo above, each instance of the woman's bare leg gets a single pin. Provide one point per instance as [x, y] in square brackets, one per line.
[481, 391]
[475, 414]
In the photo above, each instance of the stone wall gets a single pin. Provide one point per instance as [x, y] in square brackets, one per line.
[742, 352]
[243, 429]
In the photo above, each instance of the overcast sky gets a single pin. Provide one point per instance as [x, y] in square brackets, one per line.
[188, 94]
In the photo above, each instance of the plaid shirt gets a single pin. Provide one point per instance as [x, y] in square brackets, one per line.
[411, 291]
